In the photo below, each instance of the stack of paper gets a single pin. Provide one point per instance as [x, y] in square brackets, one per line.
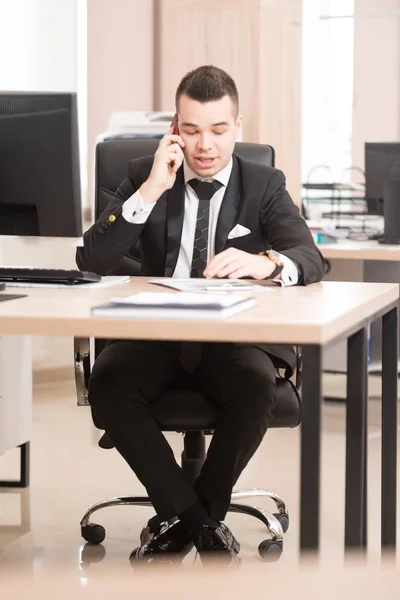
[174, 306]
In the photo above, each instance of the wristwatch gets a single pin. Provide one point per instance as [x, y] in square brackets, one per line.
[274, 256]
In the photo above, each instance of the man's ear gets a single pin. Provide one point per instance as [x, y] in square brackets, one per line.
[239, 123]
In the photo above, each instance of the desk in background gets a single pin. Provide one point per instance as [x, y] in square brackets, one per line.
[313, 317]
[16, 401]
[361, 261]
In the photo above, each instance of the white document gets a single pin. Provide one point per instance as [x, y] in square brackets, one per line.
[209, 285]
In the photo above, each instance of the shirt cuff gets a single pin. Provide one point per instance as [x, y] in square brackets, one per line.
[289, 273]
[135, 210]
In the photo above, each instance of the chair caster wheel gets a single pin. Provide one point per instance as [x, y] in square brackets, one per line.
[270, 550]
[93, 533]
[152, 527]
[283, 519]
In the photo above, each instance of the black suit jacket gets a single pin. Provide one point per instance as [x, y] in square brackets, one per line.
[255, 197]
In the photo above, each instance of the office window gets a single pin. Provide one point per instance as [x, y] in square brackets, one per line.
[327, 86]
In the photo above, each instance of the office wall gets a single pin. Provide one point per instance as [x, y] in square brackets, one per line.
[119, 62]
[376, 107]
[259, 43]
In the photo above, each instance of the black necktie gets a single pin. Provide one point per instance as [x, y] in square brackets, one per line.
[204, 190]
[191, 352]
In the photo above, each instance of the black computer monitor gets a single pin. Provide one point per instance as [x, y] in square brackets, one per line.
[40, 190]
[382, 162]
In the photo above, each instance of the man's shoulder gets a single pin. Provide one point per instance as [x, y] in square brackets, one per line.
[256, 172]
[258, 176]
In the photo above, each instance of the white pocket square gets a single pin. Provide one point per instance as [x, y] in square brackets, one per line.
[238, 231]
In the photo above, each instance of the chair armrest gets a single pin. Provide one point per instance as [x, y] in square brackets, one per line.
[82, 369]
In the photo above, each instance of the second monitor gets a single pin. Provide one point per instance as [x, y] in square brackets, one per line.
[382, 162]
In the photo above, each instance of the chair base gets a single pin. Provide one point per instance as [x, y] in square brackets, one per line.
[276, 523]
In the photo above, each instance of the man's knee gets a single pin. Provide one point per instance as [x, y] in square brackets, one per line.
[254, 388]
[261, 387]
[109, 376]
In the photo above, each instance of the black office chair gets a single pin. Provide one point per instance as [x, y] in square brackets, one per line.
[184, 411]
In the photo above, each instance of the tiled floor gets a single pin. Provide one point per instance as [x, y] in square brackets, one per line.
[39, 526]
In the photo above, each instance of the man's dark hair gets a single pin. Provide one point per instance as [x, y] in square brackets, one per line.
[208, 83]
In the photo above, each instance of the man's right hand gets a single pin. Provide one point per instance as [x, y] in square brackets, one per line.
[167, 160]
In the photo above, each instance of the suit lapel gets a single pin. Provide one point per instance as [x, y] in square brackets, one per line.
[175, 214]
[229, 208]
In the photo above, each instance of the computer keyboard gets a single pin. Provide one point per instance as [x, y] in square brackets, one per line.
[39, 275]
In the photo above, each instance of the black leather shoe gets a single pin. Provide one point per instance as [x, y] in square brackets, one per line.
[217, 540]
[172, 539]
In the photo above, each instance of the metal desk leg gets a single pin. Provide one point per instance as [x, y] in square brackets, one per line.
[356, 436]
[365, 503]
[389, 429]
[310, 448]
[23, 480]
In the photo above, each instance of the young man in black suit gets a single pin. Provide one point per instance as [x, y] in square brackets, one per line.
[200, 211]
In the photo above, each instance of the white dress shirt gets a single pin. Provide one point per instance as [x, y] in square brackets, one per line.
[135, 210]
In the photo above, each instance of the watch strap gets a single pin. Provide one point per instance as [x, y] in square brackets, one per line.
[278, 263]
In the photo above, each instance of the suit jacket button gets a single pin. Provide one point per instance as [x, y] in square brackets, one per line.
[112, 218]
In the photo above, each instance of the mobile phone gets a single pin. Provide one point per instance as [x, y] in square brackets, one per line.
[174, 124]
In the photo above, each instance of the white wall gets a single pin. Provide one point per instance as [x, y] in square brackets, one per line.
[376, 108]
[38, 45]
[119, 63]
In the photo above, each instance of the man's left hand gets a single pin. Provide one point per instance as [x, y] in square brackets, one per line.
[234, 264]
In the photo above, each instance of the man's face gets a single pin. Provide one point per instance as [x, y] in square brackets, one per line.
[209, 131]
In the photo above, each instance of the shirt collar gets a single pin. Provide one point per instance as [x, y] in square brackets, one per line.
[222, 176]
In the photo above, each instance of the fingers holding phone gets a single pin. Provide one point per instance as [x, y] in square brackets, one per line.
[167, 160]
[172, 135]
[175, 132]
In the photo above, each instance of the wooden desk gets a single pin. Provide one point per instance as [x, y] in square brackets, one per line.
[313, 317]
[368, 250]
[361, 261]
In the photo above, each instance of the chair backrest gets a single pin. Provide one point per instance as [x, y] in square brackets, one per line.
[112, 159]
[113, 156]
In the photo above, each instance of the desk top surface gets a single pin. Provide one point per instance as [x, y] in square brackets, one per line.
[368, 250]
[315, 314]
